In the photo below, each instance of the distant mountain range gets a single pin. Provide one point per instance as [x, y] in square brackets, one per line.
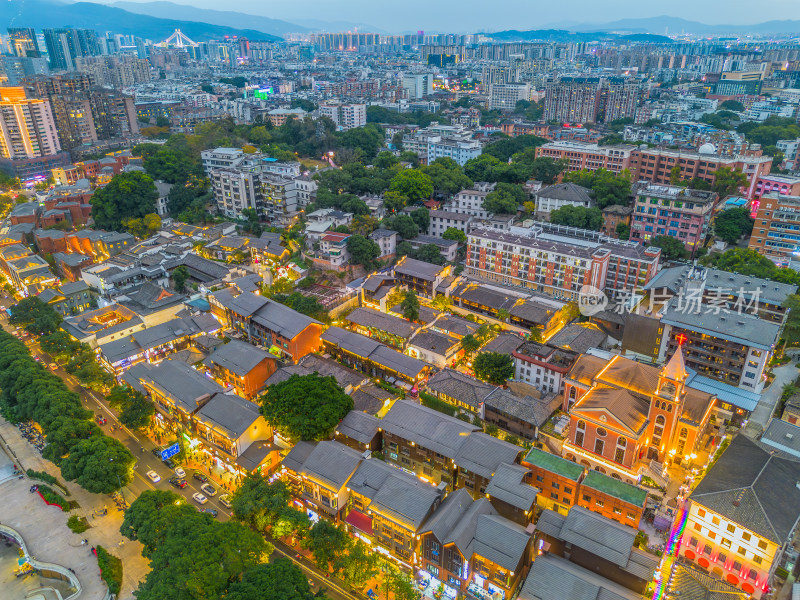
[170, 10]
[675, 25]
[51, 13]
[562, 35]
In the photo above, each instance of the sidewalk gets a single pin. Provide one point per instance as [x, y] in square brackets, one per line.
[47, 535]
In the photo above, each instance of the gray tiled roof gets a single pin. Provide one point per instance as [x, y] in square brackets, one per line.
[578, 338]
[359, 426]
[230, 413]
[180, 382]
[427, 427]
[370, 398]
[311, 363]
[237, 357]
[369, 317]
[394, 493]
[435, 342]
[753, 488]
[418, 269]
[331, 463]
[460, 386]
[507, 485]
[449, 513]
[298, 455]
[566, 191]
[455, 325]
[281, 319]
[505, 343]
[378, 353]
[463, 531]
[482, 454]
[484, 295]
[501, 541]
[526, 408]
[553, 577]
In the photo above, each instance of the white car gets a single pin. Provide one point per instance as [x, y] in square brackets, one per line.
[199, 498]
[180, 472]
[153, 476]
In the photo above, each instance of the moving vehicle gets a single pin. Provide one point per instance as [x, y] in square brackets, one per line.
[209, 489]
[211, 511]
[153, 476]
[169, 462]
[178, 482]
[199, 498]
[225, 500]
[180, 472]
[200, 477]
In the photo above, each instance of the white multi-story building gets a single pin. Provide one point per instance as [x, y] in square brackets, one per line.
[504, 96]
[220, 158]
[469, 202]
[345, 116]
[418, 85]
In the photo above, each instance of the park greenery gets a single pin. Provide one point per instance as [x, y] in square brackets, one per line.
[305, 407]
[733, 224]
[578, 216]
[193, 556]
[98, 463]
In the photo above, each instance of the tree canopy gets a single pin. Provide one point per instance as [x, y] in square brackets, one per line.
[671, 248]
[363, 251]
[493, 367]
[578, 216]
[505, 199]
[413, 184]
[607, 188]
[410, 306]
[306, 407]
[733, 224]
[749, 262]
[127, 196]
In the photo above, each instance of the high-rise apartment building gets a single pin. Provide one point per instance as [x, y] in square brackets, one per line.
[27, 127]
[572, 100]
[114, 71]
[504, 96]
[65, 45]
[620, 97]
[418, 85]
[22, 42]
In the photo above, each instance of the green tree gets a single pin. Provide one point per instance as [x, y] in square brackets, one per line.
[179, 277]
[733, 105]
[64, 432]
[328, 543]
[732, 224]
[413, 184]
[358, 565]
[422, 218]
[429, 253]
[623, 231]
[99, 464]
[749, 262]
[578, 216]
[281, 579]
[505, 199]
[258, 503]
[547, 170]
[150, 516]
[404, 225]
[410, 306]
[356, 206]
[470, 343]
[399, 583]
[35, 316]
[447, 176]
[127, 196]
[671, 248]
[363, 251]
[727, 181]
[306, 407]
[394, 201]
[454, 234]
[607, 188]
[505, 148]
[493, 367]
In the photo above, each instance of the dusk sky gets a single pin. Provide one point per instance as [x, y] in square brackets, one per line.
[480, 15]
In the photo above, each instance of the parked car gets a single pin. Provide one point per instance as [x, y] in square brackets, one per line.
[178, 482]
[200, 477]
[153, 476]
[169, 462]
[180, 472]
[199, 498]
[156, 451]
[209, 489]
[225, 500]
[211, 511]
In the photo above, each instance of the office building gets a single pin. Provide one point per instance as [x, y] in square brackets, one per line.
[65, 45]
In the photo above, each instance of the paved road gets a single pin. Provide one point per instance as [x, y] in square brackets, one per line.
[769, 399]
[142, 447]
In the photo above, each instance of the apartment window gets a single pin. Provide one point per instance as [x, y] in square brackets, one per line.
[600, 503]
[715, 520]
[752, 574]
[556, 486]
[617, 511]
[726, 542]
[707, 550]
[630, 516]
[746, 536]
[758, 560]
[567, 490]
[554, 496]
[762, 544]
[539, 478]
[742, 551]
[693, 542]
[731, 527]
[586, 498]
[712, 535]
[698, 527]
[737, 566]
